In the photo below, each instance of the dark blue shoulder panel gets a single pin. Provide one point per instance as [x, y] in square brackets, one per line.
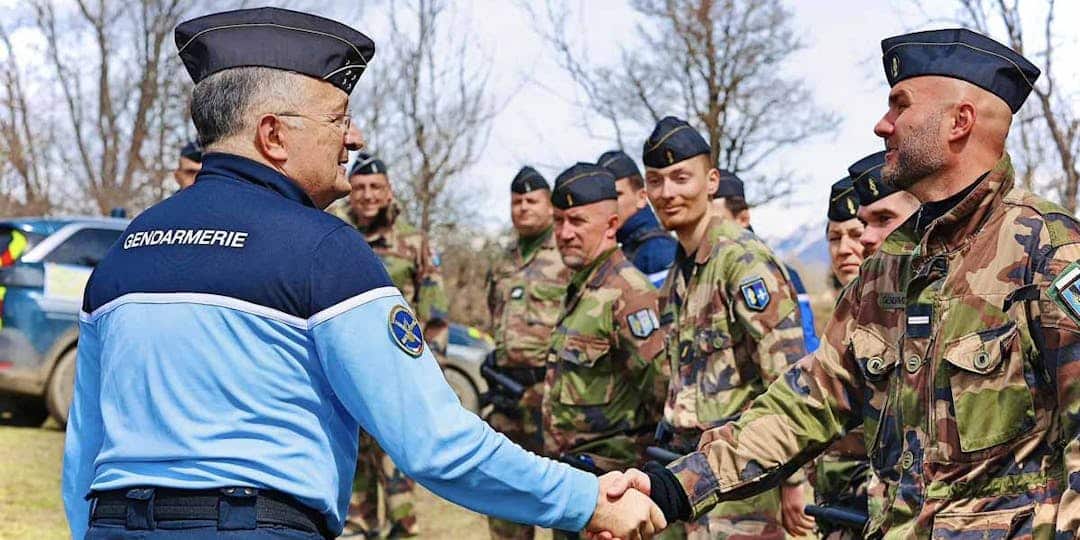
[252, 239]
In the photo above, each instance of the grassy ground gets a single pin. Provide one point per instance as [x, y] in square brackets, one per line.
[30, 504]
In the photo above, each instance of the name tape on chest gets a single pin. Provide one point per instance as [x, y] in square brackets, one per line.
[756, 294]
[1065, 291]
[186, 237]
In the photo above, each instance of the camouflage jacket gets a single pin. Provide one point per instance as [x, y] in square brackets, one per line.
[412, 266]
[734, 328]
[959, 352]
[525, 297]
[604, 378]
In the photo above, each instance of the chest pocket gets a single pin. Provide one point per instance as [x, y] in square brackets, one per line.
[991, 399]
[586, 373]
[877, 360]
[545, 303]
[722, 389]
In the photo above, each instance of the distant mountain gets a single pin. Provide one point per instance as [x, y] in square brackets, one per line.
[805, 245]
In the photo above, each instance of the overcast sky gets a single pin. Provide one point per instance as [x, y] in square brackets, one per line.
[540, 124]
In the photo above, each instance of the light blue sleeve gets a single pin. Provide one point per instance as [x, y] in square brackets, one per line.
[84, 431]
[406, 404]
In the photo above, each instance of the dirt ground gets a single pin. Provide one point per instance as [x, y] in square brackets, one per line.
[30, 504]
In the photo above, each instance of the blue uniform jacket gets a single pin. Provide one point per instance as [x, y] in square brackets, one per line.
[809, 334]
[238, 336]
[647, 245]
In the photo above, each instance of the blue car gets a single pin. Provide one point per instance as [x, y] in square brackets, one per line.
[44, 265]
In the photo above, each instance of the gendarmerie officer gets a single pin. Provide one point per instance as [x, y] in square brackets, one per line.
[230, 356]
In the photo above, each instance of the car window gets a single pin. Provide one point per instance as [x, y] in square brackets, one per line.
[86, 247]
[13, 243]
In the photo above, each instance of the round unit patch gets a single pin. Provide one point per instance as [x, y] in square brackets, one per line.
[405, 331]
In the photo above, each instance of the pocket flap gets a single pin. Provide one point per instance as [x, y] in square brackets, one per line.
[875, 356]
[980, 352]
[584, 351]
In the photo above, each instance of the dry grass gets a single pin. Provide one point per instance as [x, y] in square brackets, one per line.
[30, 504]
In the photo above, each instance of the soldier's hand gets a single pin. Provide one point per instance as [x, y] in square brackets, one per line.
[792, 511]
[629, 516]
[617, 483]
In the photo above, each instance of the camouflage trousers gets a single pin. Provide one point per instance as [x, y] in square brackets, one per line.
[523, 427]
[376, 472]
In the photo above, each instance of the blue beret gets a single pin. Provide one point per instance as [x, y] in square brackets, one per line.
[192, 151]
[961, 54]
[842, 202]
[620, 164]
[367, 164]
[866, 175]
[672, 141]
[584, 183]
[729, 186]
[528, 179]
[274, 38]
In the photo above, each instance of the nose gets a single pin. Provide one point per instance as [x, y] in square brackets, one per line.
[884, 127]
[354, 140]
[870, 240]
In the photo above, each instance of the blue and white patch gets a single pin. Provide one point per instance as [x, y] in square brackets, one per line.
[756, 294]
[1065, 291]
[643, 323]
[405, 331]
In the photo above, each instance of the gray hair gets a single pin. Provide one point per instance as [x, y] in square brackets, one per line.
[223, 104]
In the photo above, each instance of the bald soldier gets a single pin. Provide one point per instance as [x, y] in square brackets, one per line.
[958, 346]
[733, 317]
[525, 296]
[604, 387]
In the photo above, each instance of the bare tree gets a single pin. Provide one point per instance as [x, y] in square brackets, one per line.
[1048, 126]
[428, 113]
[123, 96]
[719, 64]
[25, 176]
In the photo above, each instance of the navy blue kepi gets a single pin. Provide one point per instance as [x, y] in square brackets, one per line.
[961, 54]
[274, 38]
[584, 183]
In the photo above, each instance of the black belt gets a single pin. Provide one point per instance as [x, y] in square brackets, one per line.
[141, 508]
[526, 376]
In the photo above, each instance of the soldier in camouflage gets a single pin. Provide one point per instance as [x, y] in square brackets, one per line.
[958, 346]
[604, 386]
[733, 317]
[413, 269]
[525, 293]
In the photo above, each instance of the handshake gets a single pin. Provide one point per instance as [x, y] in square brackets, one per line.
[624, 510]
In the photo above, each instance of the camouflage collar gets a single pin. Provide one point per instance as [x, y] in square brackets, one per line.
[965, 219]
[712, 238]
[540, 242]
[594, 275]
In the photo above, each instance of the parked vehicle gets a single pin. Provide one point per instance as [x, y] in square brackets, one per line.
[44, 266]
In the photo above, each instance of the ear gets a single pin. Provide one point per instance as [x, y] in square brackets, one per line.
[743, 217]
[612, 226]
[713, 183]
[270, 138]
[642, 198]
[963, 121]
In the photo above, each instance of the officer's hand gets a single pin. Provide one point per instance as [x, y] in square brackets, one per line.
[630, 516]
[617, 483]
[793, 516]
